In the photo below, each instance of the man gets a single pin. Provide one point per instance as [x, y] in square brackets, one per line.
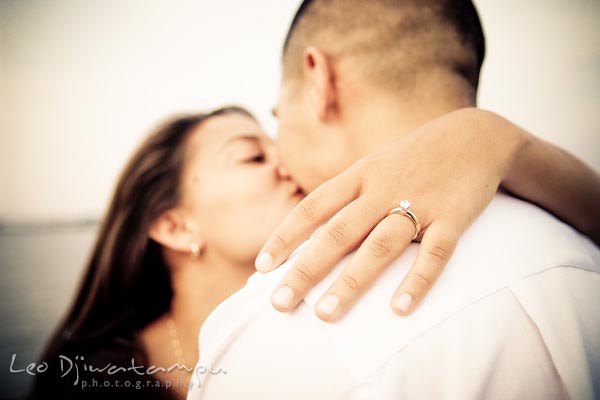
[512, 317]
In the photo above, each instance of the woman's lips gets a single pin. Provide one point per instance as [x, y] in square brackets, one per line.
[295, 190]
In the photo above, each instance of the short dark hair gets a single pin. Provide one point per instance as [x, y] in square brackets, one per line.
[399, 38]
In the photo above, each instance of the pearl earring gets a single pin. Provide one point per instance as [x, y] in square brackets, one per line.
[194, 251]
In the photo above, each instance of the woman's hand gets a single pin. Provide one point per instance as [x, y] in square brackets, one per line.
[450, 169]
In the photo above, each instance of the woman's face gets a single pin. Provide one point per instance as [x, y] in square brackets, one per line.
[234, 188]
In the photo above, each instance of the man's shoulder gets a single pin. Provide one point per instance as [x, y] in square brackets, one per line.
[514, 239]
[509, 242]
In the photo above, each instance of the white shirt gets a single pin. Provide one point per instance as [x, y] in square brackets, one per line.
[514, 315]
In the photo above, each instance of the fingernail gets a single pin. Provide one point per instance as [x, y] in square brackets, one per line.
[403, 301]
[264, 262]
[329, 305]
[283, 296]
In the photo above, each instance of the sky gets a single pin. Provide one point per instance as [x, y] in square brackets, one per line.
[82, 82]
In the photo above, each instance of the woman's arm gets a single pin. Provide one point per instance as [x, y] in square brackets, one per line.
[450, 168]
[558, 182]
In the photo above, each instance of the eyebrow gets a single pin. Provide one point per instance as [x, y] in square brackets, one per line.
[247, 137]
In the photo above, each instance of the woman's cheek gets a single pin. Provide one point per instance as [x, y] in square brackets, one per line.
[262, 184]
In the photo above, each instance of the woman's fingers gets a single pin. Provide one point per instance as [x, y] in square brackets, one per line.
[314, 210]
[437, 246]
[385, 243]
[333, 241]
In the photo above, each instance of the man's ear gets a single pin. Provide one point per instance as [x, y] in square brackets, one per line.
[320, 78]
[172, 231]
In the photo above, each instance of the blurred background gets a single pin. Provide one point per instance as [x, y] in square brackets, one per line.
[81, 82]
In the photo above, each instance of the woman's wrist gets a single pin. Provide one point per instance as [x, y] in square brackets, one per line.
[538, 171]
[560, 183]
[505, 142]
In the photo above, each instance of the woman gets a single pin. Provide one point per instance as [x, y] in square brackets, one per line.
[188, 216]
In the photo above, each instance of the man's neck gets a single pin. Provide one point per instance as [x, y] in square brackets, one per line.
[380, 117]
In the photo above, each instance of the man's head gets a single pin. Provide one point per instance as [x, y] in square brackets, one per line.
[350, 65]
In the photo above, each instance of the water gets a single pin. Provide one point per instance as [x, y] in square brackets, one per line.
[40, 272]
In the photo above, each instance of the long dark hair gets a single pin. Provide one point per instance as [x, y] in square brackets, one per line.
[126, 284]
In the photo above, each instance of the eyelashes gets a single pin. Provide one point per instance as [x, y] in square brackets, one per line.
[259, 158]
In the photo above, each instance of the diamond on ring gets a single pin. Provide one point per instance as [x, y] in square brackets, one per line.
[405, 205]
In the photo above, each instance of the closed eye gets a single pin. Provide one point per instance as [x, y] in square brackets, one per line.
[259, 158]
